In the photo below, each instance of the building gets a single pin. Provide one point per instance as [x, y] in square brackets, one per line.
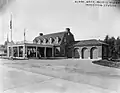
[61, 44]
[89, 49]
[47, 46]
[57, 42]
[2, 50]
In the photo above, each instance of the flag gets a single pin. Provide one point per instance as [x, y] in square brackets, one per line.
[11, 21]
[24, 35]
[11, 24]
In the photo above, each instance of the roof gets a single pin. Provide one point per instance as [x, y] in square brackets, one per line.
[89, 42]
[53, 35]
[2, 49]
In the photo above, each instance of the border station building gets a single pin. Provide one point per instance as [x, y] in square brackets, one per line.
[55, 45]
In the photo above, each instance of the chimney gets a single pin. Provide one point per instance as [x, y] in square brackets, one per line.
[68, 29]
[41, 34]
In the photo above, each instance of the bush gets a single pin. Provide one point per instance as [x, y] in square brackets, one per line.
[107, 63]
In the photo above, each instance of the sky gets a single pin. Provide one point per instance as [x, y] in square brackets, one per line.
[50, 16]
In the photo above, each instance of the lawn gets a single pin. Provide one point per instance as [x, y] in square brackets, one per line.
[112, 63]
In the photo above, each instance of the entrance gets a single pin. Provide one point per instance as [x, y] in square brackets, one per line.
[76, 53]
[48, 52]
[85, 53]
[94, 53]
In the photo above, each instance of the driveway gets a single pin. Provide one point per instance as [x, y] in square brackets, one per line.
[24, 78]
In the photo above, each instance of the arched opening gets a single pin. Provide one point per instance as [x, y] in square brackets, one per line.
[94, 53]
[76, 53]
[85, 53]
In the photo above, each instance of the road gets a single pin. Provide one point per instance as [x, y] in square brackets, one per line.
[16, 80]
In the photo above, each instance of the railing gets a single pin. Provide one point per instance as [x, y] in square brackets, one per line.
[19, 42]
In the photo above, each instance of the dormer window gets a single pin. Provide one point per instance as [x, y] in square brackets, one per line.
[39, 42]
[44, 41]
[57, 39]
[51, 40]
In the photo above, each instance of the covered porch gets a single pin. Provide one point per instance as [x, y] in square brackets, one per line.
[28, 50]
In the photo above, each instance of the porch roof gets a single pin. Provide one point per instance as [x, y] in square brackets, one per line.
[30, 44]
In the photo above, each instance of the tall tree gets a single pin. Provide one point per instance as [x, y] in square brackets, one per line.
[117, 46]
[111, 41]
[106, 39]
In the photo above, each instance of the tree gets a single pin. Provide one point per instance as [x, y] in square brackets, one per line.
[117, 46]
[111, 41]
[106, 39]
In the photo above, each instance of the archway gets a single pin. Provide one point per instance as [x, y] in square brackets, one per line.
[85, 53]
[94, 53]
[76, 53]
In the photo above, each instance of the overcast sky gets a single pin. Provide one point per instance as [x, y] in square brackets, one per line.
[50, 16]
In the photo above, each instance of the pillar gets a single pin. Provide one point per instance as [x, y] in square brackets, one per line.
[12, 51]
[18, 51]
[88, 53]
[45, 52]
[8, 51]
[52, 51]
[36, 51]
[24, 51]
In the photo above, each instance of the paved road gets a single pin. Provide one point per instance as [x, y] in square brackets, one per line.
[20, 81]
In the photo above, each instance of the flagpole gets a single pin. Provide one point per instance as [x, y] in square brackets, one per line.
[24, 35]
[11, 26]
[7, 38]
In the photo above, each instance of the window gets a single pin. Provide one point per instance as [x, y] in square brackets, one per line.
[44, 41]
[51, 40]
[57, 50]
[57, 39]
[39, 42]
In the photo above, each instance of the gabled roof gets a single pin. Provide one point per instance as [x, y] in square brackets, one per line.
[53, 35]
[89, 42]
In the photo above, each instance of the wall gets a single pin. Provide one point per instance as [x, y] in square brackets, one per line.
[104, 51]
[87, 51]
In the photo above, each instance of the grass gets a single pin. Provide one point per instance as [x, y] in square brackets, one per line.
[108, 63]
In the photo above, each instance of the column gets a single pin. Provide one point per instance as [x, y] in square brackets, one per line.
[12, 51]
[52, 51]
[80, 50]
[45, 52]
[88, 53]
[8, 51]
[23, 51]
[26, 51]
[36, 51]
[18, 51]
